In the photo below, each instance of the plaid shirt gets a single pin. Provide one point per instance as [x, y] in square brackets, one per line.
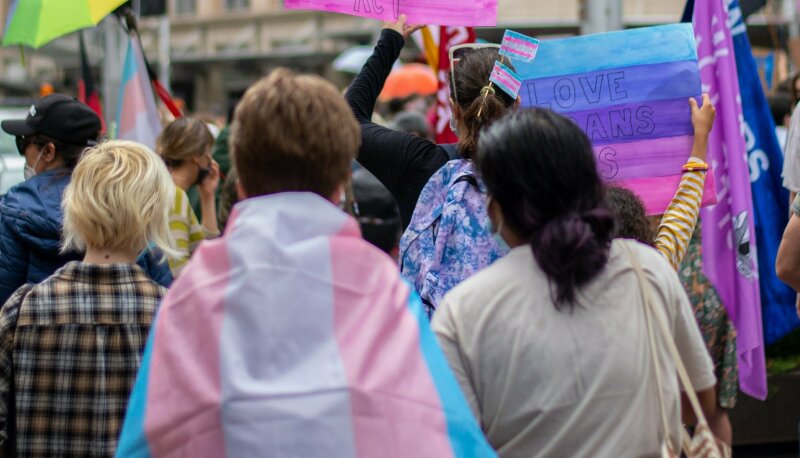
[73, 346]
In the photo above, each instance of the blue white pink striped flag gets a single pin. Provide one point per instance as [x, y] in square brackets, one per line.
[505, 78]
[137, 115]
[292, 336]
[518, 46]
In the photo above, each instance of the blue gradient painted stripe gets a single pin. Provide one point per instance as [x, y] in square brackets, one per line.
[596, 90]
[590, 53]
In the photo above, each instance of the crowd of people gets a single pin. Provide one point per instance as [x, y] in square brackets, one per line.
[511, 303]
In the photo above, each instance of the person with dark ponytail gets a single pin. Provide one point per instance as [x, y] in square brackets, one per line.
[437, 191]
[404, 162]
[550, 343]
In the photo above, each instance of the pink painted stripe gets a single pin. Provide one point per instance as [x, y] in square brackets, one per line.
[396, 407]
[519, 47]
[183, 415]
[657, 193]
[518, 52]
[520, 41]
[643, 158]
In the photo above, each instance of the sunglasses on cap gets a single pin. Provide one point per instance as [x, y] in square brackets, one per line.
[458, 52]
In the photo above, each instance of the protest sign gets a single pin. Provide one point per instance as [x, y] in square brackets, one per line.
[438, 12]
[629, 92]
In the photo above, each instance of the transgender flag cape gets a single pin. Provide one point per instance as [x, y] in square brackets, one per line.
[291, 336]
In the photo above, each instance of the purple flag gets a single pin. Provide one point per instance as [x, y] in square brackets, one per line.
[729, 249]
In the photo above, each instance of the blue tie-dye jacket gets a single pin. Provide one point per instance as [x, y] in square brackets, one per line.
[448, 239]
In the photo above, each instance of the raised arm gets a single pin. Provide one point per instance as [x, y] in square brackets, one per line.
[368, 84]
[402, 162]
[680, 219]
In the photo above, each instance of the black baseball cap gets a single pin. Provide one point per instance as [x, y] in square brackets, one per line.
[59, 117]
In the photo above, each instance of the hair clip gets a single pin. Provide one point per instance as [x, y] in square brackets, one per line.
[488, 89]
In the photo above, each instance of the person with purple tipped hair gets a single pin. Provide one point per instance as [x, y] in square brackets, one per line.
[550, 343]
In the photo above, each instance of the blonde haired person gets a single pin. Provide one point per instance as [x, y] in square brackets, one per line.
[71, 346]
[185, 145]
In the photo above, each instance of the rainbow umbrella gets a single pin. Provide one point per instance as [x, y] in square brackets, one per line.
[37, 22]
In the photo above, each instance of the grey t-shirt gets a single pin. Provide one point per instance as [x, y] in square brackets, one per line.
[544, 382]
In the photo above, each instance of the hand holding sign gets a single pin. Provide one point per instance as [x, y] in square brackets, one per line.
[703, 121]
[400, 26]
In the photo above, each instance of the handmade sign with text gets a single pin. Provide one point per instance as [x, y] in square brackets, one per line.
[438, 12]
[629, 92]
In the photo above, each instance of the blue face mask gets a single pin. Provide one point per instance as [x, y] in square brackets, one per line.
[501, 242]
[453, 125]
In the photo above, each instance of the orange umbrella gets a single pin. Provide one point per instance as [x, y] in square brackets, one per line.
[408, 80]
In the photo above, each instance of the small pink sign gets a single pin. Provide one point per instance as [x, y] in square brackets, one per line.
[432, 12]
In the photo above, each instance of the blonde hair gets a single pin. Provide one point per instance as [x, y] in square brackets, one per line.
[183, 139]
[119, 198]
[293, 132]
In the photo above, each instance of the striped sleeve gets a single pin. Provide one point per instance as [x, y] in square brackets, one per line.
[680, 219]
[186, 231]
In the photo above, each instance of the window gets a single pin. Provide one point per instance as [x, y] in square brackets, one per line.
[237, 4]
[185, 6]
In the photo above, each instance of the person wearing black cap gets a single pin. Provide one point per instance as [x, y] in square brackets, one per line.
[52, 137]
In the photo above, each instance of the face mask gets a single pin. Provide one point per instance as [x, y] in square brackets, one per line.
[504, 247]
[29, 172]
[202, 174]
[453, 125]
[501, 242]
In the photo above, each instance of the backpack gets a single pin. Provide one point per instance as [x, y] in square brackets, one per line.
[448, 238]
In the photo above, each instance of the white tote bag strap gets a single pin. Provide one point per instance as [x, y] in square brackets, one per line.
[661, 321]
[643, 287]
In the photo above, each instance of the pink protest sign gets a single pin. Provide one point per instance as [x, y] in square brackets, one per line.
[434, 12]
[630, 97]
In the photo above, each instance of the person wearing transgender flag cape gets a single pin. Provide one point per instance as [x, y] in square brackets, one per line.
[290, 335]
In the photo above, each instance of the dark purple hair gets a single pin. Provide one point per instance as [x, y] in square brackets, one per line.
[540, 168]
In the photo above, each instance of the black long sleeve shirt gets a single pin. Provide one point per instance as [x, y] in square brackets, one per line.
[402, 162]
